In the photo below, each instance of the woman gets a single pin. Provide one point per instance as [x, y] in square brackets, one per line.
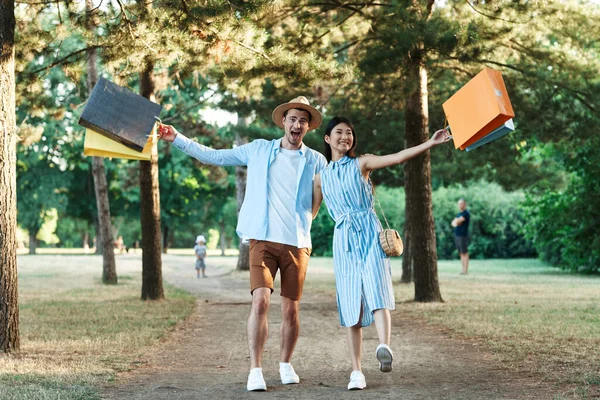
[362, 270]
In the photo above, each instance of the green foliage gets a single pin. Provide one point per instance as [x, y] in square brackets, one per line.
[322, 233]
[212, 239]
[349, 59]
[496, 221]
[564, 223]
[496, 224]
[71, 231]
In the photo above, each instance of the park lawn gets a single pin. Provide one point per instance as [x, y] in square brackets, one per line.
[76, 333]
[534, 318]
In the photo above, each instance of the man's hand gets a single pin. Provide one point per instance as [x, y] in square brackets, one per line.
[167, 132]
[454, 223]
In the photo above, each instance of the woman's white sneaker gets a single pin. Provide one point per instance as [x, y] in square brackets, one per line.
[385, 356]
[256, 382]
[287, 373]
[357, 381]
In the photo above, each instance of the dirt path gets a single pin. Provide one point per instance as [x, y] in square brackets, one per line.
[207, 357]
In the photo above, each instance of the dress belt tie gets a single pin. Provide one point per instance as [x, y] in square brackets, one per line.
[348, 221]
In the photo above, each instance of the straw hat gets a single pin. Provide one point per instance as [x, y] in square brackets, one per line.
[302, 103]
[200, 238]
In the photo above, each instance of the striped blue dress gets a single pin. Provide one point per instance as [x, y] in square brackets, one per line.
[362, 270]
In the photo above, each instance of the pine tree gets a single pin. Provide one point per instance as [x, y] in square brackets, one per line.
[9, 304]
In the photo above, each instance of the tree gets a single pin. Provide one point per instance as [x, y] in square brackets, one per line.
[105, 240]
[420, 252]
[152, 287]
[9, 303]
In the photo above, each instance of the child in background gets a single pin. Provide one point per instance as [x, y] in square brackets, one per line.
[200, 250]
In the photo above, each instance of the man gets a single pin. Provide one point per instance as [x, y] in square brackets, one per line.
[276, 215]
[461, 234]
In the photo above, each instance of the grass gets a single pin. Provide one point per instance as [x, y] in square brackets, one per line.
[82, 251]
[76, 333]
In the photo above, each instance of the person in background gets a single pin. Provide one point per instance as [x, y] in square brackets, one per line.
[461, 234]
[200, 251]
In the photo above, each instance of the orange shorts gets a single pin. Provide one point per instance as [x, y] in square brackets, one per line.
[267, 257]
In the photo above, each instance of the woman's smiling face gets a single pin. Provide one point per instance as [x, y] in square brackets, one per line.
[341, 138]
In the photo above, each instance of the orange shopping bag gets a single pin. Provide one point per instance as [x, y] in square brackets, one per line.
[478, 108]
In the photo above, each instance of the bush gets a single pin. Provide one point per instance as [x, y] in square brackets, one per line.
[496, 226]
[496, 221]
[563, 226]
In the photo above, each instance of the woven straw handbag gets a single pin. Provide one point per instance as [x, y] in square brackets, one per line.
[391, 242]
[389, 238]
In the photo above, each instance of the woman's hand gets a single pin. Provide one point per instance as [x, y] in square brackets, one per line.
[167, 132]
[440, 136]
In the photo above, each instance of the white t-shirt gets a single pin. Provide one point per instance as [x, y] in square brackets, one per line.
[281, 197]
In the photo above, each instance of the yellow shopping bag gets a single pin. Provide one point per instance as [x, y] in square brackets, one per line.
[98, 145]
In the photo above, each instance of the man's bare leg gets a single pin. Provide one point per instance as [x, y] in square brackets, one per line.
[464, 258]
[290, 328]
[258, 327]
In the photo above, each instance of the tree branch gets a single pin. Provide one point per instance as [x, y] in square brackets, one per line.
[65, 58]
[260, 53]
[492, 17]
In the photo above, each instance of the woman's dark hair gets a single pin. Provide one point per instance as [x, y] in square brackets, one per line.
[335, 121]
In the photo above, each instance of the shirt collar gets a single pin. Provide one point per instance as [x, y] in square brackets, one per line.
[341, 161]
[277, 147]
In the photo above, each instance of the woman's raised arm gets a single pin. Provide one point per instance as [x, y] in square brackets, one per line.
[371, 162]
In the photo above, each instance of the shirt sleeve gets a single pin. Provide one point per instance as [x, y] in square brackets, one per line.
[237, 156]
[321, 163]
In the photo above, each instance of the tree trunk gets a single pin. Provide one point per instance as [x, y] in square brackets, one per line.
[240, 190]
[98, 239]
[85, 240]
[222, 240]
[9, 299]
[109, 269]
[152, 285]
[32, 241]
[165, 239]
[419, 223]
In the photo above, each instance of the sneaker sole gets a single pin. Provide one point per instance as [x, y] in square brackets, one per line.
[385, 360]
[356, 387]
[290, 382]
[257, 388]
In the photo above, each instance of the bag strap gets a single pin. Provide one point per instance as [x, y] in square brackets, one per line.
[374, 194]
[378, 203]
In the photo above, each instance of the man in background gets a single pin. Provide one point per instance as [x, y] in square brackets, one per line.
[461, 234]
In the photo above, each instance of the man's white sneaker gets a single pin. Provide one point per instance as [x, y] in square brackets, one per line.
[385, 357]
[287, 373]
[357, 381]
[256, 382]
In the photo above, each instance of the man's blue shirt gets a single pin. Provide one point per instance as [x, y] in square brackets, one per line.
[258, 156]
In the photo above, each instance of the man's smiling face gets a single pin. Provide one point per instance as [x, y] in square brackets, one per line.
[296, 124]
